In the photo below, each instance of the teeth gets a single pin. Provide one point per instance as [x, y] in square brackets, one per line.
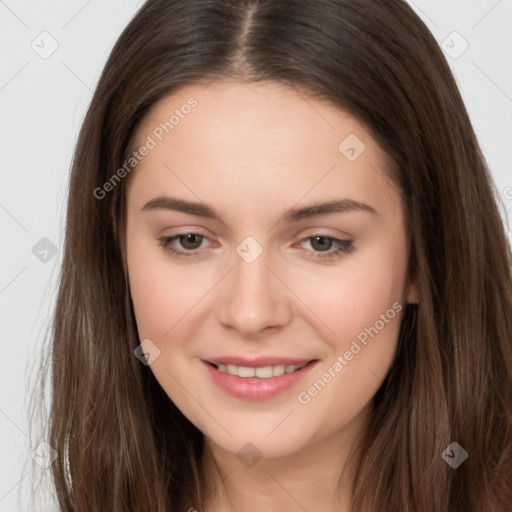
[262, 372]
[245, 371]
[278, 370]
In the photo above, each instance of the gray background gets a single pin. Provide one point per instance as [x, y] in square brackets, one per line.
[43, 98]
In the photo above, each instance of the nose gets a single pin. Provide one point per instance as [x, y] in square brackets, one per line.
[254, 298]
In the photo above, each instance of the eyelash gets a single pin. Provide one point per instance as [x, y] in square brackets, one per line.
[343, 246]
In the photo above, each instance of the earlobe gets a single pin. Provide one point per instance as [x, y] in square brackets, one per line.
[412, 292]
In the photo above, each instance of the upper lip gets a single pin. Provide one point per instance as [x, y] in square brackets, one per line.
[257, 362]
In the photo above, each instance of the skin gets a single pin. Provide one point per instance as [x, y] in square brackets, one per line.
[251, 152]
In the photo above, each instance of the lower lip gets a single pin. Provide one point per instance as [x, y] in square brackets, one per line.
[254, 388]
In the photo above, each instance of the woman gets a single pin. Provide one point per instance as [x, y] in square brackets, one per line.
[286, 282]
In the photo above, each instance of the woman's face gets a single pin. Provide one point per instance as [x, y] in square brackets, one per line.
[269, 279]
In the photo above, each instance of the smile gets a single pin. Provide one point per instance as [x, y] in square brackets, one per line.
[257, 382]
[261, 372]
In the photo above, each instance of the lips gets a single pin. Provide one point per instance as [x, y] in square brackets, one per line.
[250, 378]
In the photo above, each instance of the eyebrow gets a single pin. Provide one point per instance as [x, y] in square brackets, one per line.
[292, 215]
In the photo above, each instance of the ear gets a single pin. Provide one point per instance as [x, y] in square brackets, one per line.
[412, 295]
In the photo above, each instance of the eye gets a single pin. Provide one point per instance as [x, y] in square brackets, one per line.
[190, 242]
[322, 246]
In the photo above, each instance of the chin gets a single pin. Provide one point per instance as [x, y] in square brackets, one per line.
[249, 440]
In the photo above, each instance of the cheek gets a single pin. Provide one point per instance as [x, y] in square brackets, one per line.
[351, 297]
[153, 302]
[162, 293]
[363, 305]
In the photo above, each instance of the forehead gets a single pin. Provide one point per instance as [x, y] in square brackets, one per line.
[252, 113]
[264, 139]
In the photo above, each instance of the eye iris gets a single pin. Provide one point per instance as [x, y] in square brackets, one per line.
[194, 239]
[323, 242]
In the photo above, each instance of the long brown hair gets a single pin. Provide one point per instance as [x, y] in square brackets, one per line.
[122, 444]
